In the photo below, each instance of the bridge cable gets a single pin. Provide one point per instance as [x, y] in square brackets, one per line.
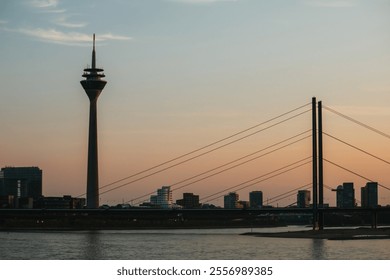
[201, 148]
[192, 158]
[305, 188]
[288, 193]
[234, 166]
[242, 163]
[352, 146]
[332, 189]
[357, 122]
[350, 171]
[254, 183]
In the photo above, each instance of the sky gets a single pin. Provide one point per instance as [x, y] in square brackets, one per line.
[182, 74]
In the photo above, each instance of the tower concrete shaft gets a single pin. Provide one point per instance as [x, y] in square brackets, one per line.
[93, 86]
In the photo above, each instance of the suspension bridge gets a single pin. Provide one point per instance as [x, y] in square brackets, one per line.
[312, 111]
[316, 133]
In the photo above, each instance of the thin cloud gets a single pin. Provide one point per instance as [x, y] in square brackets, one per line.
[44, 3]
[60, 32]
[63, 21]
[51, 11]
[331, 3]
[67, 38]
[109, 36]
[47, 6]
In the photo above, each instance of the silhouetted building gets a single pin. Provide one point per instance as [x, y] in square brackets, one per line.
[21, 183]
[230, 201]
[7, 201]
[256, 199]
[243, 204]
[303, 199]
[25, 203]
[369, 195]
[189, 201]
[163, 198]
[209, 206]
[345, 196]
[93, 86]
[62, 202]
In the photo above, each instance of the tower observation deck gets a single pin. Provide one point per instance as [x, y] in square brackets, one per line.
[93, 86]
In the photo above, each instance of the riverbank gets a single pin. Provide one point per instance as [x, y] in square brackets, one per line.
[330, 234]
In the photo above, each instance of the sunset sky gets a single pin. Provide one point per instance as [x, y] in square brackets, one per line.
[182, 74]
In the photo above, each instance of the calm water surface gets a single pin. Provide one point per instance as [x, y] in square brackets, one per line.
[182, 244]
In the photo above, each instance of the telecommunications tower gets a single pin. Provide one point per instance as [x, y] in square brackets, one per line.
[93, 86]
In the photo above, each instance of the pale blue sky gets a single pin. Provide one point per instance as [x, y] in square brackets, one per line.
[181, 74]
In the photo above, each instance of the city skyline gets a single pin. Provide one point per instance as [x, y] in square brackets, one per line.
[184, 74]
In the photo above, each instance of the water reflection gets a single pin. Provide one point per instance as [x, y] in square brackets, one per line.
[318, 249]
[181, 244]
[93, 246]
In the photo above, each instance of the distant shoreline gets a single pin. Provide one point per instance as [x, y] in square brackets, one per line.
[361, 233]
[48, 229]
[330, 234]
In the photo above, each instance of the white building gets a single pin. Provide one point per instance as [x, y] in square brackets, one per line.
[163, 197]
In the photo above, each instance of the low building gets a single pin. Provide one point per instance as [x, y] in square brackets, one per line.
[25, 203]
[64, 202]
[243, 204]
[189, 201]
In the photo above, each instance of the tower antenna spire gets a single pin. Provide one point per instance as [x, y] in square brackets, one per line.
[93, 53]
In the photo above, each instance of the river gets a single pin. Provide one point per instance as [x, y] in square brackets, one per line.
[183, 244]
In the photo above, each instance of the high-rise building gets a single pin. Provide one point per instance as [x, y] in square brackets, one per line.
[369, 195]
[256, 199]
[230, 201]
[21, 182]
[189, 201]
[345, 196]
[303, 199]
[93, 86]
[163, 198]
